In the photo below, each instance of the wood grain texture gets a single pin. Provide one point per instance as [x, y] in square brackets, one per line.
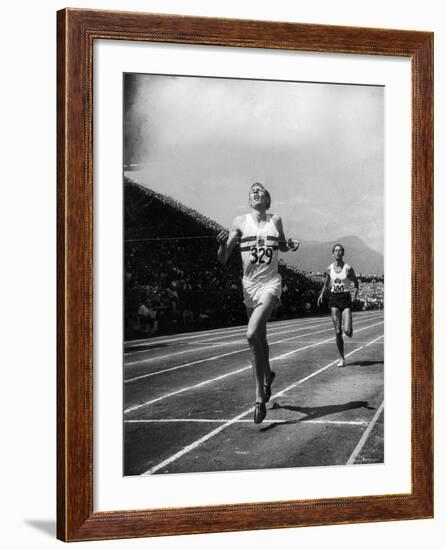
[76, 31]
[61, 207]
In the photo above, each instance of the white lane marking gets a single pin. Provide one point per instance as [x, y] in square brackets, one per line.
[231, 373]
[219, 429]
[271, 334]
[190, 347]
[228, 333]
[195, 444]
[182, 352]
[339, 422]
[241, 341]
[270, 325]
[231, 342]
[355, 342]
[365, 435]
[298, 382]
[222, 344]
[182, 390]
[372, 341]
[215, 357]
[303, 326]
[180, 337]
[218, 331]
[197, 362]
[223, 420]
[376, 341]
[272, 329]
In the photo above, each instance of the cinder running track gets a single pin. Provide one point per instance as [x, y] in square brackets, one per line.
[188, 399]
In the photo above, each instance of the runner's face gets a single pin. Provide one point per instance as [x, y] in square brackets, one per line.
[257, 195]
[338, 253]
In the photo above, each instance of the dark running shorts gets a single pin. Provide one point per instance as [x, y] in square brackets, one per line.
[341, 300]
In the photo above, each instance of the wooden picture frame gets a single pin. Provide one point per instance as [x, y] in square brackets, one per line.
[77, 31]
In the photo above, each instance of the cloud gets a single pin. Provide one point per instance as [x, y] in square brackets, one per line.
[317, 147]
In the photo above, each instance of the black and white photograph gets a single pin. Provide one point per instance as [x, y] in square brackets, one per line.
[229, 217]
[253, 274]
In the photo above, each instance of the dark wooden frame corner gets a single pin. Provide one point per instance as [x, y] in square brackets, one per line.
[77, 30]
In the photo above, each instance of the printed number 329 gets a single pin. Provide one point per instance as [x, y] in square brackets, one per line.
[261, 255]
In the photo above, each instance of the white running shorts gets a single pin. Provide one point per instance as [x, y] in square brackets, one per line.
[254, 290]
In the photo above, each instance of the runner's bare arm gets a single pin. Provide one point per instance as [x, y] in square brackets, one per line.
[352, 277]
[227, 240]
[326, 281]
[284, 245]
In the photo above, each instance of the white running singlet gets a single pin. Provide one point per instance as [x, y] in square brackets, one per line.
[339, 281]
[259, 250]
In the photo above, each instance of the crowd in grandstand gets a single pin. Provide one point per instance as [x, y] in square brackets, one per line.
[371, 293]
[173, 281]
[182, 285]
[179, 285]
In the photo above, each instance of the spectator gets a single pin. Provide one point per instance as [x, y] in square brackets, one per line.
[147, 318]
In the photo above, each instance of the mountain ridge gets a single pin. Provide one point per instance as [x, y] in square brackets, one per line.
[315, 256]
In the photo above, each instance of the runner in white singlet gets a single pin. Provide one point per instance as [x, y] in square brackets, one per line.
[259, 254]
[339, 276]
[260, 236]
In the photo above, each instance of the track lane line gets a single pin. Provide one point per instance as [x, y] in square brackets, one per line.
[232, 333]
[182, 352]
[219, 429]
[241, 341]
[232, 373]
[188, 336]
[271, 333]
[216, 357]
[223, 420]
[365, 435]
[289, 327]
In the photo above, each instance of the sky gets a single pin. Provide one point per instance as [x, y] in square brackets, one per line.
[317, 147]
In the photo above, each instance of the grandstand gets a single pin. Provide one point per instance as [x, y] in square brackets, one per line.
[173, 281]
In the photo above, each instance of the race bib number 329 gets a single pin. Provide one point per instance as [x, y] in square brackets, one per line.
[262, 255]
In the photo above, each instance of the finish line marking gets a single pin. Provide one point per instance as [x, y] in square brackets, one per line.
[216, 431]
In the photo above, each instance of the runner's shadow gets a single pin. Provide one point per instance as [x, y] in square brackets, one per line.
[313, 413]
